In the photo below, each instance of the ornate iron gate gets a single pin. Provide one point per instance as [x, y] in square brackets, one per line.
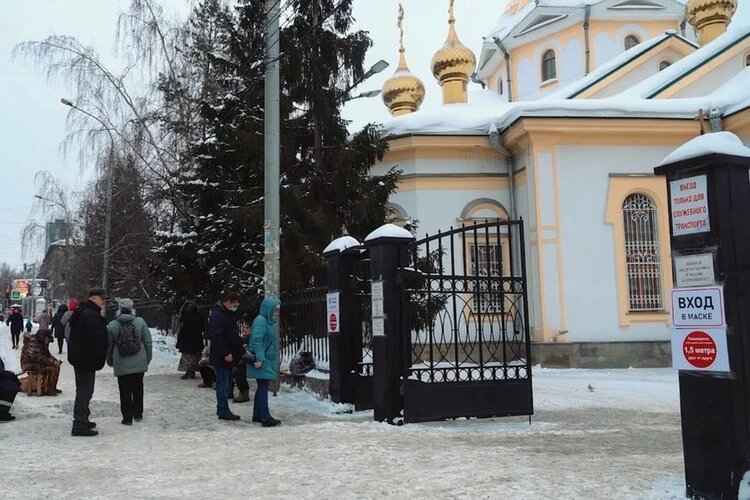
[466, 292]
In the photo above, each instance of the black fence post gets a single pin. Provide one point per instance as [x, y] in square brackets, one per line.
[342, 254]
[388, 247]
[710, 233]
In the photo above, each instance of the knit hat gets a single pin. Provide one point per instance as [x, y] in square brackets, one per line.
[125, 303]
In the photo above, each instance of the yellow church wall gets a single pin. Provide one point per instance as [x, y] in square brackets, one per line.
[739, 124]
[448, 183]
[440, 147]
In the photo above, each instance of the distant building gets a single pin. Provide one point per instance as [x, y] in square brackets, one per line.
[55, 231]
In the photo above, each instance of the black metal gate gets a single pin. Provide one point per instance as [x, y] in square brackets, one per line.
[362, 335]
[466, 292]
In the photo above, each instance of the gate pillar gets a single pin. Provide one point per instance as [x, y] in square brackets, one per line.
[390, 342]
[709, 203]
[341, 255]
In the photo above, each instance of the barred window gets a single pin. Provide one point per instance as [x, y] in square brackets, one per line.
[642, 253]
[549, 66]
[664, 65]
[631, 41]
[485, 263]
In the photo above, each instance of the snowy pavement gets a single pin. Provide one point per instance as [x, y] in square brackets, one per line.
[619, 439]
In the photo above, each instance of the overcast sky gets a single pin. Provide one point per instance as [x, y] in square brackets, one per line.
[32, 120]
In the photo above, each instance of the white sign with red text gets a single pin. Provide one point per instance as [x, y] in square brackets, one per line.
[689, 206]
[700, 350]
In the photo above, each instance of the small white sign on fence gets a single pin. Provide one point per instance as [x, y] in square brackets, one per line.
[332, 312]
[378, 314]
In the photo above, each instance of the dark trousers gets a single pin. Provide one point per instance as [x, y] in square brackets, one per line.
[60, 342]
[15, 337]
[131, 396]
[260, 404]
[84, 392]
[239, 374]
[6, 401]
[223, 386]
[207, 374]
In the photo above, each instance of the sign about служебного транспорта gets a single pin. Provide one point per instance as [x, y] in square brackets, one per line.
[688, 205]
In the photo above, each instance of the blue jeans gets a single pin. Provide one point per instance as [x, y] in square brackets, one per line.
[223, 381]
[260, 403]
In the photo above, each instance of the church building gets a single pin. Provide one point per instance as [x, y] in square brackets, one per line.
[560, 121]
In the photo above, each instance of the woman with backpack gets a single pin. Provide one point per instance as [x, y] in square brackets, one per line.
[129, 353]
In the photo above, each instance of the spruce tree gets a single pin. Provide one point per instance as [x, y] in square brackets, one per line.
[325, 186]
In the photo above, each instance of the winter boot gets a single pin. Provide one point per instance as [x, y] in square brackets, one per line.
[243, 396]
[83, 431]
[270, 422]
[229, 416]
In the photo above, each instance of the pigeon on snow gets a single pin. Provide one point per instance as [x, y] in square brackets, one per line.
[591, 388]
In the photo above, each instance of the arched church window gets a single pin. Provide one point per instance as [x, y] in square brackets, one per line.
[664, 65]
[549, 66]
[747, 60]
[642, 253]
[631, 41]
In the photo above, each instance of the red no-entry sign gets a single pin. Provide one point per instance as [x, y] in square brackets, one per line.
[333, 323]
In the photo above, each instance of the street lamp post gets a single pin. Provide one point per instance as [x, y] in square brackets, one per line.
[109, 174]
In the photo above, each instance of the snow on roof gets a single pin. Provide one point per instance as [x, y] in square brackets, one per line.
[665, 78]
[486, 110]
[603, 71]
[341, 244]
[510, 20]
[714, 143]
[389, 231]
[463, 119]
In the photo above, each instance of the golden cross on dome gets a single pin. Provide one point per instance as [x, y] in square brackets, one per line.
[401, 27]
[452, 17]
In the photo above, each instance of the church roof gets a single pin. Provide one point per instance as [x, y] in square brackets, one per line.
[658, 83]
[614, 65]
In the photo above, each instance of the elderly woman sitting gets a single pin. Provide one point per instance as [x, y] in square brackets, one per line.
[35, 357]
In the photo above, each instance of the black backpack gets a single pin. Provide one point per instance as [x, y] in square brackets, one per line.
[128, 341]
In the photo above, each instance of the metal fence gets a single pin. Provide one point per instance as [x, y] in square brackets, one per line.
[303, 325]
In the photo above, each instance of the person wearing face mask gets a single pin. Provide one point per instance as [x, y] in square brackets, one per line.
[264, 346]
[226, 350]
[87, 352]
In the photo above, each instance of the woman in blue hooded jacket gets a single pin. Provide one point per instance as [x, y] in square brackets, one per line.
[264, 346]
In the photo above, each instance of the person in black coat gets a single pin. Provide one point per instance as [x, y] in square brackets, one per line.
[15, 320]
[190, 339]
[226, 350]
[87, 352]
[58, 329]
[9, 387]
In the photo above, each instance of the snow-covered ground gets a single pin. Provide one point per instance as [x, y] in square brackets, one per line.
[620, 438]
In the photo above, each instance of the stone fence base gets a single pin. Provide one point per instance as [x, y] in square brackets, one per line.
[653, 354]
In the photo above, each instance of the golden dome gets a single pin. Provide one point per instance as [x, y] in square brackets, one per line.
[403, 93]
[709, 17]
[453, 65]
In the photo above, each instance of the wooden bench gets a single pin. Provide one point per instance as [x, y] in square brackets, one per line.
[32, 383]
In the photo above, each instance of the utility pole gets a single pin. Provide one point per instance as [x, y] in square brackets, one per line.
[272, 144]
[272, 177]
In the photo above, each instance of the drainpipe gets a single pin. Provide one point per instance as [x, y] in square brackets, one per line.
[509, 160]
[498, 145]
[586, 38]
[500, 46]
